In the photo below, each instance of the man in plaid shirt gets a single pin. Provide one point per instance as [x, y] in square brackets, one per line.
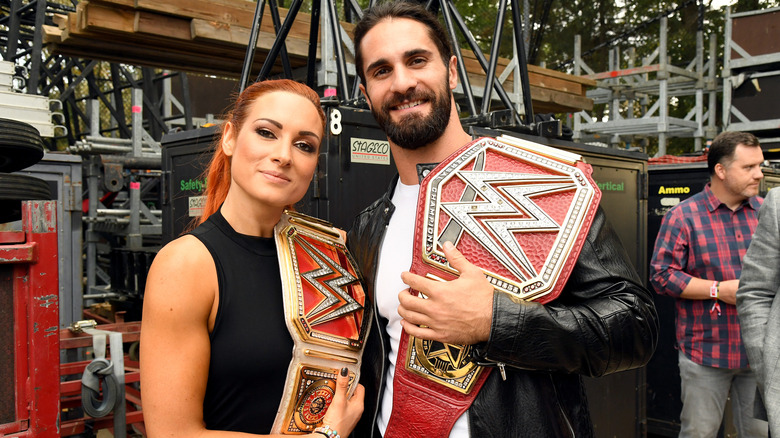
[698, 260]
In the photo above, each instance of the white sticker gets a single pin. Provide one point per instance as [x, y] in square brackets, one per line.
[670, 202]
[369, 151]
[196, 205]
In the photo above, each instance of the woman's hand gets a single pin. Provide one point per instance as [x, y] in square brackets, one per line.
[344, 411]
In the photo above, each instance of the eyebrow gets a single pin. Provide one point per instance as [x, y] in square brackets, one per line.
[309, 133]
[272, 121]
[279, 125]
[408, 54]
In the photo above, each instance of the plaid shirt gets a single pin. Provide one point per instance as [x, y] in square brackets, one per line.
[702, 238]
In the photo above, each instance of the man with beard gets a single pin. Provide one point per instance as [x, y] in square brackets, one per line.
[604, 320]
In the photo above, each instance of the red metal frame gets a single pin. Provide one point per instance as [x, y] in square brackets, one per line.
[39, 393]
[33, 255]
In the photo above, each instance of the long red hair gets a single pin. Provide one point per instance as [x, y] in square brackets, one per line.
[218, 174]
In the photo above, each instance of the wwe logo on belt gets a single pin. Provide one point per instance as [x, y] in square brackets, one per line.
[335, 284]
[507, 208]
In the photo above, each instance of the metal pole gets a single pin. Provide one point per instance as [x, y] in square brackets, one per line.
[663, 93]
[311, 74]
[487, 93]
[134, 238]
[277, 24]
[464, 77]
[341, 64]
[278, 45]
[522, 62]
[249, 58]
[35, 65]
[483, 62]
[699, 91]
[91, 236]
[726, 73]
[712, 88]
[137, 105]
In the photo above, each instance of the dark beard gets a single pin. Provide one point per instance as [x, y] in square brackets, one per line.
[414, 130]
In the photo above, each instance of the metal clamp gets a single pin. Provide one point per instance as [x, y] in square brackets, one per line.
[80, 326]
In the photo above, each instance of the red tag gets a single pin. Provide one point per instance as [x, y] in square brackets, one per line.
[715, 307]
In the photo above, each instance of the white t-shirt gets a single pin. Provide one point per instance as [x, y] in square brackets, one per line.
[395, 257]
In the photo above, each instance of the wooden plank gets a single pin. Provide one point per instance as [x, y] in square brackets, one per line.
[162, 25]
[174, 32]
[94, 47]
[585, 81]
[184, 54]
[235, 12]
[555, 83]
[114, 3]
[232, 12]
[109, 26]
[552, 101]
[219, 33]
[90, 16]
[96, 17]
[159, 59]
[59, 19]
[537, 76]
[51, 34]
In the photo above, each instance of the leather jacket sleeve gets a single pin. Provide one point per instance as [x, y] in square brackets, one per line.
[604, 321]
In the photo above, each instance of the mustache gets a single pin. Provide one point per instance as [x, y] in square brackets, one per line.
[410, 96]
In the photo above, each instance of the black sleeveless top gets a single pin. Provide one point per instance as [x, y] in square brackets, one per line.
[250, 345]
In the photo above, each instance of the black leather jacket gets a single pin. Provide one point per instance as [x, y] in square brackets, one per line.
[603, 322]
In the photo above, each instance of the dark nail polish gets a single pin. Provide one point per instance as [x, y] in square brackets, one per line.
[344, 371]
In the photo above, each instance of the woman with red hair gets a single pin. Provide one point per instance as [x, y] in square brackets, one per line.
[215, 349]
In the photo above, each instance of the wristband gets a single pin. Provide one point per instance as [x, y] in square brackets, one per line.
[327, 431]
[715, 289]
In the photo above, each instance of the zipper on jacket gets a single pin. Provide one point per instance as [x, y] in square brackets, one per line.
[500, 365]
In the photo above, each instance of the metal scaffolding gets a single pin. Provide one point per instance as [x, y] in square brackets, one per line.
[638, 98]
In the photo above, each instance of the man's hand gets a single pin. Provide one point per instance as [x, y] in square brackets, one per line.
[455, 312]
[727, 291]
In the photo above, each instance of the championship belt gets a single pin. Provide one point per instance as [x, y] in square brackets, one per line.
[520, 211]
[326, 314]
